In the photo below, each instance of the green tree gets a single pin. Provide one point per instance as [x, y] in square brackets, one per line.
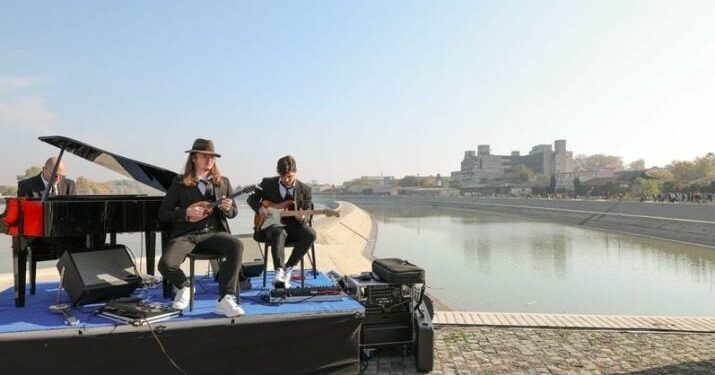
[6, 190]
[552, 185]
[637, 165]
[86, 186]
[648, 186]
[30, 172]
[408, 181]
[684, 171]
[661, 174]
[579, 188]
[598, 162]
[524, 173]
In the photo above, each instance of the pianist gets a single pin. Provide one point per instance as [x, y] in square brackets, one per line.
[195, 229]
[34, 186]
[45, 247]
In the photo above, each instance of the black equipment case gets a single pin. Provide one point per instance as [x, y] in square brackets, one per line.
[424, 339]
[398, 271]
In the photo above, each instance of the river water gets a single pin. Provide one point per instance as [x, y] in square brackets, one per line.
[478, 261]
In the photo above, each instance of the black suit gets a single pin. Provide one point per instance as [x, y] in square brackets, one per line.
[211, 234]
[294, 231]
[33, 187]
[45, 248]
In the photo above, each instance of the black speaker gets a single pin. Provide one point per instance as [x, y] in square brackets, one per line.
[99, 275]
[252, 262]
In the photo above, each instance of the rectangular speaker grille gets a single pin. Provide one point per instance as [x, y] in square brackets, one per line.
[111, 266]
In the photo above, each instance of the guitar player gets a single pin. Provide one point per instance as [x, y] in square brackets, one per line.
[277, 191]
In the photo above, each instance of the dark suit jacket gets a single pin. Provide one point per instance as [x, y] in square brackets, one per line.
[173, 207]
[271, 192]
[33, 187]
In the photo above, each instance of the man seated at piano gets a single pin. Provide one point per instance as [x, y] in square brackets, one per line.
[195, 229]
[284, 189]
[33, 187]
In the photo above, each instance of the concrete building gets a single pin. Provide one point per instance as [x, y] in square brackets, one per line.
[482, 168]
[379, 180]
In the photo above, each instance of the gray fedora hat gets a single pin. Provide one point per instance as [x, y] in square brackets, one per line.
[203, 146]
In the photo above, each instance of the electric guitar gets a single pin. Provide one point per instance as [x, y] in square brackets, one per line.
[208, 207]
[278, 211]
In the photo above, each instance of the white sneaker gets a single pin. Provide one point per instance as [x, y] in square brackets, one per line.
[181, 301]
[176, 290]
[278, 277]
[228, 307]
[287, 277]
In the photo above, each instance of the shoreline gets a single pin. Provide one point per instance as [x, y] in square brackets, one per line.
[689, 224]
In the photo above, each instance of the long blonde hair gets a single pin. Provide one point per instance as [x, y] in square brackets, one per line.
[189, 178]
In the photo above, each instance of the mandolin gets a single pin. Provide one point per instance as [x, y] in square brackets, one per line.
[278, 211]
[209, 206]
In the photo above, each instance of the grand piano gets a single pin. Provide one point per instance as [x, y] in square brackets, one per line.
[87, 217]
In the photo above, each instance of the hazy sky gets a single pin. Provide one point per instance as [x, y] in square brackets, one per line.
[355, 88]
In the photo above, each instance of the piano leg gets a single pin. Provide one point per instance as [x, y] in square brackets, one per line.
[33, 271]
[150, 238]
[19, 262]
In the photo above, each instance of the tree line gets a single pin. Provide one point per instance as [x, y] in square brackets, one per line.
[86, 186]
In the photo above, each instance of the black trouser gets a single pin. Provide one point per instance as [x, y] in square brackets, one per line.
[222, 243]
[300, 236]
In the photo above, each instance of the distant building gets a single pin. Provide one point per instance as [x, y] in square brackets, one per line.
[482, 168]
[379, 180]
[428, 192]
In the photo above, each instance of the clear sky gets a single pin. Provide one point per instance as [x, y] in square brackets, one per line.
[355, 88]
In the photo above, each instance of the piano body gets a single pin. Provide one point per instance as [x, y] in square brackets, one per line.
[87, 217]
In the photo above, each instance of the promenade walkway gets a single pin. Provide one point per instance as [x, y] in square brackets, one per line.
[503, 350]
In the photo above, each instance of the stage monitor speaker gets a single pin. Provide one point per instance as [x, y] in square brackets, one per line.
[252, 258]
[98, 275]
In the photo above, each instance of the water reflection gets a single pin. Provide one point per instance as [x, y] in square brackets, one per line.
[486, 262]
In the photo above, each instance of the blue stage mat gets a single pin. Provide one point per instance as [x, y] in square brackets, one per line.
[36, 317]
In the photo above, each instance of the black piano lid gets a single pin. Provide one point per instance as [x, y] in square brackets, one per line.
[156, 177]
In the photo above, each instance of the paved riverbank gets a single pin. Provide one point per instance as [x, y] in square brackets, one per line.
[488, 350]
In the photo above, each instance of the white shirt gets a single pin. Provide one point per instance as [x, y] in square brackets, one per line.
[53, 190]
[282, 189]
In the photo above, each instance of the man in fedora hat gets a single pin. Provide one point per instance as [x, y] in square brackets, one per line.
[198, 229]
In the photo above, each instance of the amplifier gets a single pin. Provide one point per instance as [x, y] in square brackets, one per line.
[371, 292]
[388, 311]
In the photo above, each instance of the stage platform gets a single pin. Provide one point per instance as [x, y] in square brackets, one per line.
[316, 337]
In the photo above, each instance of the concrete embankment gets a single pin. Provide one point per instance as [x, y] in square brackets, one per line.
[342, 241]
[688, 223]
